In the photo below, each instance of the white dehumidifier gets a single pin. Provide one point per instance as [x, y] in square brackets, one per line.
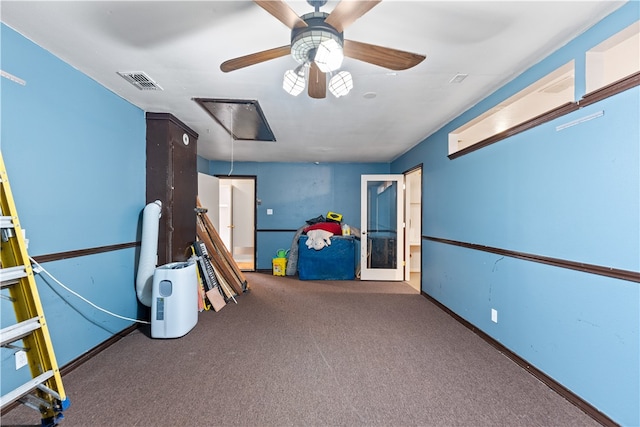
[174, 300]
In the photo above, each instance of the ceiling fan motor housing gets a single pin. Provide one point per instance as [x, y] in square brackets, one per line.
[304, 41]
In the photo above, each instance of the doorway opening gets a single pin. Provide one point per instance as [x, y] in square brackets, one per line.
[413, 227]
[237, 218]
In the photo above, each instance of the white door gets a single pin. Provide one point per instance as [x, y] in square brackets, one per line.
[209, 195]
[382, 226]
[413, 227]
[226, 214]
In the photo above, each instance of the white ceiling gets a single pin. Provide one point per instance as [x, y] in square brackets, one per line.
[181, 45]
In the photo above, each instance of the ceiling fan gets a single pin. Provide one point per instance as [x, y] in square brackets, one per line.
[318, 45]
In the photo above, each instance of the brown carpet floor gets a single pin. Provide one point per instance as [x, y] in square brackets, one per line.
[311, 353]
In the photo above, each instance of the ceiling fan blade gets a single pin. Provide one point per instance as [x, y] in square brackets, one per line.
[317, 82]
[346, 13]
[282, 12]
[392, 59]
[255, 58]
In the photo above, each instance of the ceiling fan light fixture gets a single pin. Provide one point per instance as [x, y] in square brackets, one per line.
[294, 81]
[329, 55]
[309, 40]
[341, 84]
[317, 41]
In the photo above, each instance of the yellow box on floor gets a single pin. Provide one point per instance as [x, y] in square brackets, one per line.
[279, 266]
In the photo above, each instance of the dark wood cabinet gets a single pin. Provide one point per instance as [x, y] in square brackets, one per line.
[172, 178]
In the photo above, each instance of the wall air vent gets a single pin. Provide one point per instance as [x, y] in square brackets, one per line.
[140, 80]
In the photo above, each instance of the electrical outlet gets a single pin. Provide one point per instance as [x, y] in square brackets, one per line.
[494, 315]
[269, 211]
[24, 236]
[21, 359]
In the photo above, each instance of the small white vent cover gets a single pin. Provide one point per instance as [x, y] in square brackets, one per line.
[140, 80]
[458, 78]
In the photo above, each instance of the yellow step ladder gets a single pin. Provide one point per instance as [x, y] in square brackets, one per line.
[44, 392]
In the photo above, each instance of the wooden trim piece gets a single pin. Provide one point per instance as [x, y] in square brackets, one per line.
[220, 257]
[219, 244]
[614, 88]
[632, 276]
[531, 123]
[84, 252]
[586, 407]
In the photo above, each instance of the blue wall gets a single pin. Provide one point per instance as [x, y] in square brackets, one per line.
[75, 155]
[571, 194]
[297, 192]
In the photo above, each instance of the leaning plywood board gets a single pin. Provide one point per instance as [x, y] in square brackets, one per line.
[229, 294]
[221, 248]
[217, 258]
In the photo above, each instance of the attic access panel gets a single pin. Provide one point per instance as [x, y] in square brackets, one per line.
[242, 118]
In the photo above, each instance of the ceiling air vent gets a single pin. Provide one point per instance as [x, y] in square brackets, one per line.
[458, 78]
[140, 80]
